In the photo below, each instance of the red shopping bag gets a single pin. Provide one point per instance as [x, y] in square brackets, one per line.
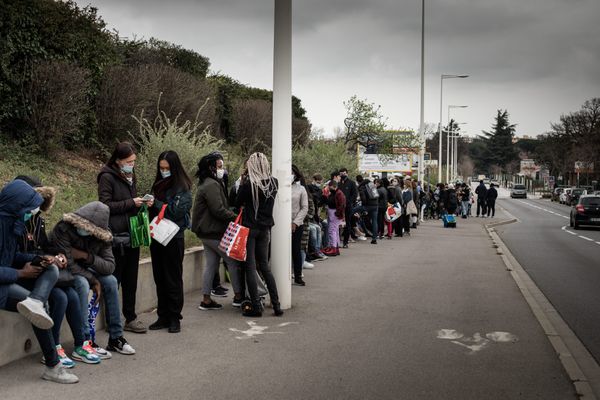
[233, 242]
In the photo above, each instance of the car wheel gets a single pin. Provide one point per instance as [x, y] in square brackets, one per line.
[571, 222]
[575, 225]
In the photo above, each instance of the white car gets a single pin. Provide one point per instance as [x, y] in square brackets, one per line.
[563, 198]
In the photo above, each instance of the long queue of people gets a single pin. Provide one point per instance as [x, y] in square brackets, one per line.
[46, 274]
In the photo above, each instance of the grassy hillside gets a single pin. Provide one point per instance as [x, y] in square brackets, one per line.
[73, 175]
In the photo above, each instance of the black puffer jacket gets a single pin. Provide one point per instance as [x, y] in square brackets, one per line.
[117, 193]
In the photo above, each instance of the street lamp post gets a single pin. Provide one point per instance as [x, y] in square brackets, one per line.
[444, 76]
[422, 116]
[448, 143]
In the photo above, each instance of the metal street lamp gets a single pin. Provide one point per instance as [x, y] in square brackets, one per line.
[453, 151]
[422, 112]
[448, 141]
[444, 76]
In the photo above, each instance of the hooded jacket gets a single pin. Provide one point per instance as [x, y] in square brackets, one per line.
[94, 218]
[16, 199]
[118, 194]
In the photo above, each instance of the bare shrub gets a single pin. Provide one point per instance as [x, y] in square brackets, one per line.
[127, 90]
[57, 101]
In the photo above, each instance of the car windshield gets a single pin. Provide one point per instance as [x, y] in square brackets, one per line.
[591, 201]
[519, 187]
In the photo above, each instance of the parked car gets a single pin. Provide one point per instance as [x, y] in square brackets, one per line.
[556, 194]
[562, 199]
[586, 212]
[573, 197]
[518, 190]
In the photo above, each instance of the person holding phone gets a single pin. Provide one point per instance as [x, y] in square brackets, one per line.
[18, 203]
[85, 239]
[117, 189]
[172, 190]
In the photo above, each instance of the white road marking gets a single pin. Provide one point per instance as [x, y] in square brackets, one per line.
[597, 242]
[449, 334]
[256, 330]
[586, 238]
[476, 343]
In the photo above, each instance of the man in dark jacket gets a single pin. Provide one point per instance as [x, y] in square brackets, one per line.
[481, 192]
[382, 205]
[84, 237]
[18, 203]
[350, 191]
[490, 200]
[369, 197]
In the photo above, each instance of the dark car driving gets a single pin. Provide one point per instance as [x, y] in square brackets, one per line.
[586, 211]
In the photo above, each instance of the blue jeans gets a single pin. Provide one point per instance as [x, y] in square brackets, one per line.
[110, 293]
[465, 208]
[66, 301]
[40, 287]
[314, 237]
[17, 293]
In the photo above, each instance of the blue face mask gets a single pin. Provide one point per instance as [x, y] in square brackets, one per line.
[27, 216]
[127, 169]
[165, 174]
[82, 232]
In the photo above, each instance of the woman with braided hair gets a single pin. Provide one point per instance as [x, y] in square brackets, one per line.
[257, 192]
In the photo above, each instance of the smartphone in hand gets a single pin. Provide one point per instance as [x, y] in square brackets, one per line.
[147, 197]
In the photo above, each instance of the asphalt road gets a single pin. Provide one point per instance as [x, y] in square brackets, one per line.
[563, 262]
[433, 316]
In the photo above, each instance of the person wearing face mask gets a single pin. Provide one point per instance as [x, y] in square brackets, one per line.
[117, 189]
[171, 188]
[18, 204]
[210, 218]
[350, 190]
[85, 239]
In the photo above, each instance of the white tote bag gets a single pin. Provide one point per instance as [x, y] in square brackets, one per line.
[161, 229]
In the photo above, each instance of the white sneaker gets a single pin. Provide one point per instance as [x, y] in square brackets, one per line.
[361, 238]
[308, 265]
[34, 311]
[59, 374]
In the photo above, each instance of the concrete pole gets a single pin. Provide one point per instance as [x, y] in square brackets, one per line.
[420, 174]
[281, 246]
[440, 131]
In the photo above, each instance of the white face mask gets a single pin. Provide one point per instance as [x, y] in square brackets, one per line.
[220, 173]
[35, 211]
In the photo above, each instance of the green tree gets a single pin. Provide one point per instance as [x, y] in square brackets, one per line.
[500, 149]
[365, 124]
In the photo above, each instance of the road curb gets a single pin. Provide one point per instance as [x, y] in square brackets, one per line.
[571, 352]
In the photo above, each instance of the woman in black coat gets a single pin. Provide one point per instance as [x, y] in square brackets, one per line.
[172, 191]
[117, 189]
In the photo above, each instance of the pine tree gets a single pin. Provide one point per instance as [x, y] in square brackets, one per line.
[499, 142]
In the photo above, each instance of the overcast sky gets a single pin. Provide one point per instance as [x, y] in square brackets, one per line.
[535, 58]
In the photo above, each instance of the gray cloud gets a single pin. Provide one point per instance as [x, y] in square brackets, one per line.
[537, 58]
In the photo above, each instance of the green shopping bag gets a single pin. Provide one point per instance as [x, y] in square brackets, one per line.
[139, 228]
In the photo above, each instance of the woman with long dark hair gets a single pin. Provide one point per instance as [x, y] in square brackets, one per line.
[172, 191]
[210, 217]
[117, 189]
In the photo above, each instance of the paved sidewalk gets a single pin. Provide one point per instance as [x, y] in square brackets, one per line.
[433, 316]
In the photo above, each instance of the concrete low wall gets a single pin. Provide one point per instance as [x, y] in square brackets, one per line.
[16, 336]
